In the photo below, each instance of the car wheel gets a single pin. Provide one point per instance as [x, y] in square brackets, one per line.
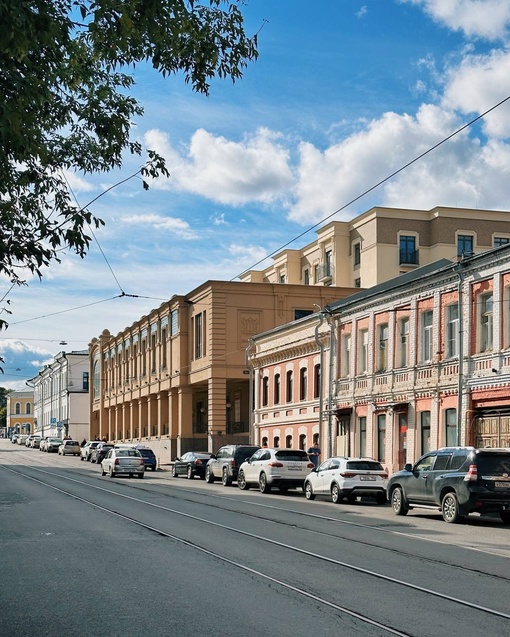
[309, 494]
[81, 458]
[111, 473]
[209, 478]
[380, 498]
[398, 503]
[450, 508]
[505, 516]
[189, 473]
[263, 485]
[140, 475]
[226, 480]
[241, 482]
[88, 458]
[174, 472]
[336, 496]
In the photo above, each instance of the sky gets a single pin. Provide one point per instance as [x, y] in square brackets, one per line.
[344, 93]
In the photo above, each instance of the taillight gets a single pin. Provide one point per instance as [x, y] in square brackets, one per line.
[198, 461]
[384, 476]
[472, 474]
[141, 461]
[117, 461]
[310, 465]
[274, 464]
[348, 474]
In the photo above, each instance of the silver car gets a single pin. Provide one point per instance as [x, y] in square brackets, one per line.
[69, 448]
[123, 461]
[52, 445]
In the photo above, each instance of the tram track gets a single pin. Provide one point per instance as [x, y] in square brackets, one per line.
[275, 543]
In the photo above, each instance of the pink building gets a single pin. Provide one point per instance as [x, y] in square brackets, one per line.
[419, 362]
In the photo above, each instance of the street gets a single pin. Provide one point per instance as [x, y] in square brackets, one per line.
[83, 554]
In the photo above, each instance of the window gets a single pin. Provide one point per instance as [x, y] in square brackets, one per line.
[302, 441]
[450, 427]
[306, 277]
[276, 442]
[174, 322]
[363, 352]
[199, 335]
[382, 353]
[289, 386]
[317, 381]
[403, 342]
[277, 389]
[486, 322]
[328, 263]
[288, 442]
[426, 336]
[265, 391]
[357, 253]
[381, 437]
[303, 383]
[452, 330]
[301, 314]
[464, 245]
[85, 381]
[362, 422]
[316, 273]
[501, 241]
[164, 336]
[425, 431]
[408, 251]
[17, 408]
[28, 408]
[345, 360]
[282, 278]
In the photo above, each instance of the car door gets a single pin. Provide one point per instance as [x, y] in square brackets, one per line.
[107, 462]
[252, 468]
[416, 488]
[321, 477]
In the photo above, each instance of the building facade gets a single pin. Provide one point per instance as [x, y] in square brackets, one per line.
[177, 379]
[384, 243]
[20, 412]
[61, 401]
[419, 362]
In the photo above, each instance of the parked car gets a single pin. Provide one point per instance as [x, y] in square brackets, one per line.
[225, 463]
[28, 440]
[99, 451]
[149, 457]
[35, 442]
[191, 464]
[341, 477]
[42, 443]
[52, 445]
[456, 481]
[14, 438]
[86, 450]
[69, 448]
[282, 468]
[22, 438]
[123, 461]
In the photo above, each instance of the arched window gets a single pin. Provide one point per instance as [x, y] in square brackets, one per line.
[28, 408]
[17, 408]
[303, 383]
[276, 441]
[288, 442]
[302, 441]
[277, 389]
[289, 386]
[265, 391]
[96, 378]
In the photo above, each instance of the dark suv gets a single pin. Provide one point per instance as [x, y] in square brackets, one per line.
[456, 481]
[225, 464]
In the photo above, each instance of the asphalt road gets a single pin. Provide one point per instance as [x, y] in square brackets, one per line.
[87, 555]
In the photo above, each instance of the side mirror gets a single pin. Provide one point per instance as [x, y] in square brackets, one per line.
[408, 467]
[177, 458]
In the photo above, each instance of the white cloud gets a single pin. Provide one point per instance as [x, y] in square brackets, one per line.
[173, 225]
[228, 172]
[488, 19]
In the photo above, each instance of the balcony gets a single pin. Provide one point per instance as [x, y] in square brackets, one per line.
[325, 272]
[409, 257]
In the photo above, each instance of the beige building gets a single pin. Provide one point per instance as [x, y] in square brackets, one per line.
[177, 378]
[383, 243]
[20, 412]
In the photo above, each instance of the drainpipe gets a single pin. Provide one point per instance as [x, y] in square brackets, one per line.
[332, 349]
[461, 355]
[321, 382]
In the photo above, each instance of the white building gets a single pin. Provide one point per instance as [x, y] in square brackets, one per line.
[61, 400]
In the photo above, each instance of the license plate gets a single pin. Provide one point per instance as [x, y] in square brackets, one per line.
[295, 468]
[502, 485]
[367, 477]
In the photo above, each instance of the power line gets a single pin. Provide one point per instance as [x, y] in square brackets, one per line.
[379, 183]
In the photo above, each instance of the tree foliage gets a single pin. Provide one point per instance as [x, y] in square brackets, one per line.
[65, 103]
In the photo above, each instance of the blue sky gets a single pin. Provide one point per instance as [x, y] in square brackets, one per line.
[344, 93]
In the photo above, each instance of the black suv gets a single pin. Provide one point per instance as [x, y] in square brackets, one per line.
[225, 464]
[456, 481]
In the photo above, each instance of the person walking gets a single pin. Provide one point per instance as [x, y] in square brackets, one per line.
[314, 453]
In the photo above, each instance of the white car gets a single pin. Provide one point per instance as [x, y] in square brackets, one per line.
[69, 448]
[348, 478]
[124, 460]
[282, 468]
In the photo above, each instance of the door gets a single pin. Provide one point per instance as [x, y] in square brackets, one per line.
[402, 440]
[416, 485]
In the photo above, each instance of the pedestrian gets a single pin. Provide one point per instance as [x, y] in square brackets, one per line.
[314, 453]
[83, 442]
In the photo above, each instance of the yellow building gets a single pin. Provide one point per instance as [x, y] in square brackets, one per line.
[177, 379]
[20, 412]
[383, 243]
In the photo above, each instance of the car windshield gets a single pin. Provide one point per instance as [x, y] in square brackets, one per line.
[291, 454]
[243, 454]
[128, 452]
[364, 465]
[59, 440]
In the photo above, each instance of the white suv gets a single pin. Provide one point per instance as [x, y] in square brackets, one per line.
[348, 478]
[282, 468]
